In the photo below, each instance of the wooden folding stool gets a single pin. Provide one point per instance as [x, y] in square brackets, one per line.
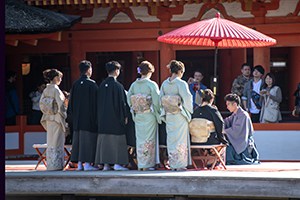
[205, 153]
[41, 151]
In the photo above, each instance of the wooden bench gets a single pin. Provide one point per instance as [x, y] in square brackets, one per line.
[41, 150]
[205, 153]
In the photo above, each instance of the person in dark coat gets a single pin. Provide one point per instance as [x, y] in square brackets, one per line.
[112, 120]
[82, 109]
[11, 98]
[210, 113]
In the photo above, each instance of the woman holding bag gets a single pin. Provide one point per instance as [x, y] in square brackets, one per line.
[271, 97]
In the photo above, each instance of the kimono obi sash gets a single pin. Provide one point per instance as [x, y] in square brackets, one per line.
[171, 103]
[200, 129]
[141, 103]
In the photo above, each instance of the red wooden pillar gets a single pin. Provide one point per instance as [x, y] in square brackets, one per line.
[261, 56]
[166, 55]
[225, 72]
[239, 57]
[294, 77]
[152, 56]
[76, 55]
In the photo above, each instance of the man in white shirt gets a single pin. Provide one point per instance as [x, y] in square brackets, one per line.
[251, 94]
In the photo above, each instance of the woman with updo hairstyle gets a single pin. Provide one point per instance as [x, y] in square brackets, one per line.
[55, 123]
[177, 106]
[143, 99]
[208, 115]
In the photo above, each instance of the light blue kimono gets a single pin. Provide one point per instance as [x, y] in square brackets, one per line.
[178, 139]
[146, 124]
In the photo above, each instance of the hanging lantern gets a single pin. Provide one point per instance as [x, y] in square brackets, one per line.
[25, 68]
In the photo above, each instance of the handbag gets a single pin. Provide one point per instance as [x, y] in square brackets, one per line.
[256, 99]
[270, 112]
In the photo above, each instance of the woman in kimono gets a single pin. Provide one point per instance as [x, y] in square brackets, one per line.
[143, 99]
[211, 117]
[177, 103]
[54, 124]
[206, 128]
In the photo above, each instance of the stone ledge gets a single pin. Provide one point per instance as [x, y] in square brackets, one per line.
[158, 183]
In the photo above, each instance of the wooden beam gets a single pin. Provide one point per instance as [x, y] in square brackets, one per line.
[55, 36]
[30, 42]
[12, 42]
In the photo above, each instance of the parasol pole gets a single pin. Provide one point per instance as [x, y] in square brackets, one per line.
[215, 61]
[215, 79]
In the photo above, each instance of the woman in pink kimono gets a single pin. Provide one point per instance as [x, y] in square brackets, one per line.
[54, 123]
[177, 103]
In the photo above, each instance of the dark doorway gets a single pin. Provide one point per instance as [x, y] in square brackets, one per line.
[99, 59]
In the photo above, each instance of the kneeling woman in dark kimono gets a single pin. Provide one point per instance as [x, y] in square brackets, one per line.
[208, 121]
[239, 131]
[206, 128]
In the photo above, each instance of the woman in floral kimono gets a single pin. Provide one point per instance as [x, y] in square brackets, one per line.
[54, 124]
[143, 98]
[177, 103]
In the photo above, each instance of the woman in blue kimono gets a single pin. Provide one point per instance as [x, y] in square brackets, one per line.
[143, 99]
[177, 103]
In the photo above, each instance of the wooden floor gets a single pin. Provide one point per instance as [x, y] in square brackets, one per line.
[268, 180]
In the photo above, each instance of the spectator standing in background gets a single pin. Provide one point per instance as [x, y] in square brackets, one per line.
[239, 82]
[11, 99]
[195, 86]
[251, 94]
[271, 97]
[296, 111]
[35, 97]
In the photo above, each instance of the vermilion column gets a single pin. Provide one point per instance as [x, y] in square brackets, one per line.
[166, 55]
[261, 56]
[152, 56]
[294, 74]
[224, 82]
[76, 55]
[239, 57]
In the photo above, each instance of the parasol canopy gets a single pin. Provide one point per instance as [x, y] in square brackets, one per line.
[217, 32]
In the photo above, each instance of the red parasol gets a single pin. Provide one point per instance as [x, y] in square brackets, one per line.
[217, 32]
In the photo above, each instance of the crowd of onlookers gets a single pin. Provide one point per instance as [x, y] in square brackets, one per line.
[99, 120]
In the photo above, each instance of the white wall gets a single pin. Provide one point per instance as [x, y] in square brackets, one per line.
[278, 145]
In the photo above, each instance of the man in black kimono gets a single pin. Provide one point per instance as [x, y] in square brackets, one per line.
[112, 119]
[82, 110]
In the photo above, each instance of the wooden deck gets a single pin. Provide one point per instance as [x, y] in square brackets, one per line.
[270, 180]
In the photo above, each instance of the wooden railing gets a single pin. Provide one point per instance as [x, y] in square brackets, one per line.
[22, 127]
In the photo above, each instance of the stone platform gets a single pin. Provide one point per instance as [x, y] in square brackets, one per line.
[269, 180]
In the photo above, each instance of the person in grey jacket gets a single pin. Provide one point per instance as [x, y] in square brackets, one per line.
[251, 96]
